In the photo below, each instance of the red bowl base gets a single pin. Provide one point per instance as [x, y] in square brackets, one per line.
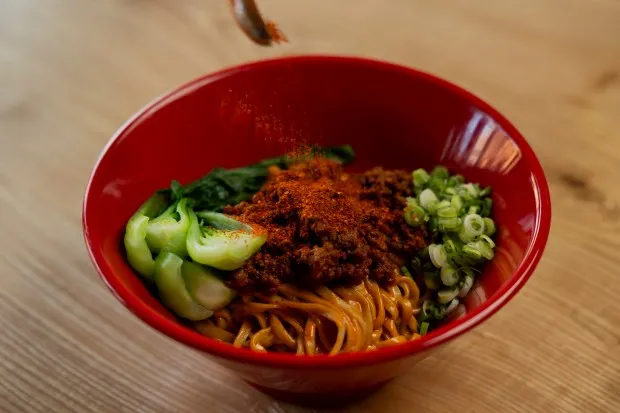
[327, 399]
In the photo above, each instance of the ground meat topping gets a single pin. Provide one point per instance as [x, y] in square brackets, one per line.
[327, 227]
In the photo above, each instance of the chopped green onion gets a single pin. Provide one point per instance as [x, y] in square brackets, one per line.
[433, 224]
[420, 177]
[449, 246]
[423, 328]
[459, 260]
[430, 309]
[457, 215]
[428, 199]
[477, 250]
[438, 255]
[452, 306]
[449, 276]
[489, 226]
[473, 226]
[445, 296]
[440, 172]
[485, 249]
[456, 202]
[415, 215]
[447, 211]
[405, 271]
[468, 282]
[440, 205]
[470, 250]
[488, 241]
[448, 224]
[455, 180]
[430, 280]
[437, 184]
[474, 209]
[471, 190]
[487, 203]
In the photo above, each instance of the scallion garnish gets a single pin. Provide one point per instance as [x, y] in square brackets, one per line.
[470, 250]
[420, 177]
[428, 199]
[452, 306]
[431, 281]
[473, 226]
[447, 295]
[468, 282]
[438, 255]
[415, 215]
[489, 226]
[449, 276]
[457, 215]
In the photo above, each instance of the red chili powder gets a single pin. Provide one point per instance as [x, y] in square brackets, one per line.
[327, 227]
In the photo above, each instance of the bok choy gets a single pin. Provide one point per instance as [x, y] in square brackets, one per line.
[222, 242]
[192, 291]
[179, 239]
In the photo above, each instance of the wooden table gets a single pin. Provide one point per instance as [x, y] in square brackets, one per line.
[71, 71]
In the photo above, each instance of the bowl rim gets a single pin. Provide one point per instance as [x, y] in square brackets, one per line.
[436, 337]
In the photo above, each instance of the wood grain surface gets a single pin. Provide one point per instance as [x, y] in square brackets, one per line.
[72, 71]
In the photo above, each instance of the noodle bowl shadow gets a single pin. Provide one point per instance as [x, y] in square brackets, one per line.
[394, 116]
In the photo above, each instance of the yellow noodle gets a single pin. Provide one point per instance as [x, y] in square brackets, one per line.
[310, 337]
[322, 333]
[262, 339]
[389, 304]
[324, 321]
[290, 320]
[389, 328]
[300, 346]
[223, 318]
[362, 312]
[376, 295]
[391, 342]
[243, 334]
[209, 329]
[280, 332]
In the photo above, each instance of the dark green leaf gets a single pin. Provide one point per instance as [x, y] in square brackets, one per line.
[222, 187]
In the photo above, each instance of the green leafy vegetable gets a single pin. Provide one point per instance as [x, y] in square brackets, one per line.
[205, 286]
[172, 289]
[185, 221]
[168, 231]
[223, 187]
[138, 252]
[221, 241]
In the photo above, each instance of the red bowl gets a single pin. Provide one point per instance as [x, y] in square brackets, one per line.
[393, 116]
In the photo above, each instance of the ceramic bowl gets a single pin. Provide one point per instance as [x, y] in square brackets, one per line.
[393, 116]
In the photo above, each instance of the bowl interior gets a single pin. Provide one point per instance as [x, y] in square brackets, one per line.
[393, 116]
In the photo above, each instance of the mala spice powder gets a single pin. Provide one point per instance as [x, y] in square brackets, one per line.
[327, 227]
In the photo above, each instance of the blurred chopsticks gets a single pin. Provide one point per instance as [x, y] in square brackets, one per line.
[249, 19]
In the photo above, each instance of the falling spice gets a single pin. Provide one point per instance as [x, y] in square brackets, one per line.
[259, 30]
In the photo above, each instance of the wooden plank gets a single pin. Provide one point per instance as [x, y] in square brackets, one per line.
[71, 71]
